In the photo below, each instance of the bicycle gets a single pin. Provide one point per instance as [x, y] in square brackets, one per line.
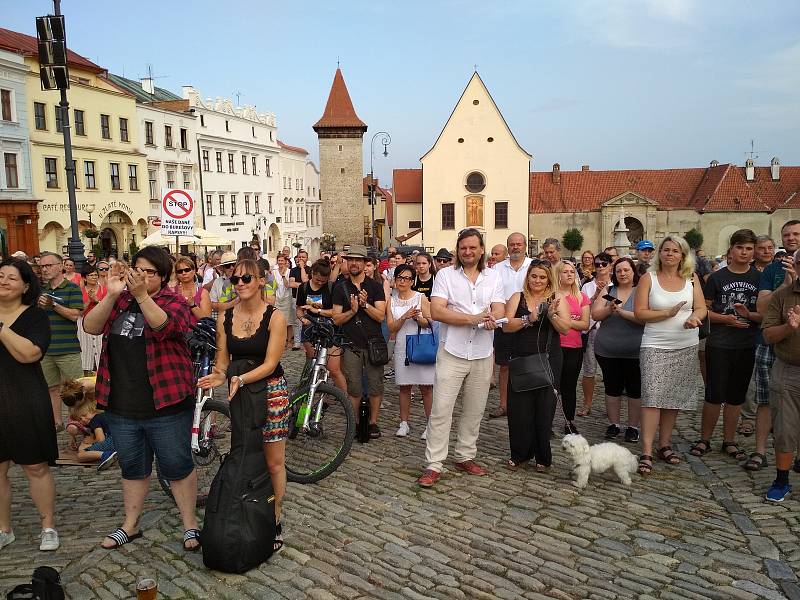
[211, 416]
[322, 424]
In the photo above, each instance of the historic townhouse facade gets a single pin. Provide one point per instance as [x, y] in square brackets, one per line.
[239, 171]
[19, 212]
[109, 166]
[294, 224]
[168, 136]
[314, 229]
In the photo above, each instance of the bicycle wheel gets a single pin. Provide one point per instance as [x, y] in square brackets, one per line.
[315, 454]
[215, 444]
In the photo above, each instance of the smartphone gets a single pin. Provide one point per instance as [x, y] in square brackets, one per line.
[611, 298]
[54, 298]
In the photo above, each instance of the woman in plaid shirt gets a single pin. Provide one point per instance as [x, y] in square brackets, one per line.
[144, 381]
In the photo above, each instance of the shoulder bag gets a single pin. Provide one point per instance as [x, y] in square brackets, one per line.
[533, 372]
[421, 348]
[377, 349]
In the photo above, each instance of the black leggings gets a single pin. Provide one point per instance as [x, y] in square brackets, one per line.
[530, 417]
[570, 369]
[621, 376]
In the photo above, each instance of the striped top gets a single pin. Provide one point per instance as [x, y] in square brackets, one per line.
[63, 332]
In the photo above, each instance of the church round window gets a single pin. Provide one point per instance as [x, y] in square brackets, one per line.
[475, 182]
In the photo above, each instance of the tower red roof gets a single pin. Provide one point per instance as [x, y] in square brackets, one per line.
[339, 111]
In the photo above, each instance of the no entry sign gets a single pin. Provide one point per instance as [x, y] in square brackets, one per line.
[177, 212]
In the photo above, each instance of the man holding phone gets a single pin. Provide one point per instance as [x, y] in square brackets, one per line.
[63, 302]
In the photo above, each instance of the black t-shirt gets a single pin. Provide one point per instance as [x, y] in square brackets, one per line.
[425, 287]
[294, 273]
[100, 421]
[361, 327]
[307, 295]
[131, 394]
[725, 288]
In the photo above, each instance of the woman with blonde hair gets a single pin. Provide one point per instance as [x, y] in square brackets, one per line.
[571, 344]
[586, 268]
[669, 301]
[535, 315]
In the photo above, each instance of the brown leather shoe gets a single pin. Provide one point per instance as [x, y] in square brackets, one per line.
[470, 467]
[429, 478]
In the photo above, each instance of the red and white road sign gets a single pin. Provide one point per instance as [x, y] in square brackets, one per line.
[177, 212]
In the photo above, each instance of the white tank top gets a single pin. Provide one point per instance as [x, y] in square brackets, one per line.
[669, 334]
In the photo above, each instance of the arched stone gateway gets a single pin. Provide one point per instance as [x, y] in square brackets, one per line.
[52, 237]
[635, 229]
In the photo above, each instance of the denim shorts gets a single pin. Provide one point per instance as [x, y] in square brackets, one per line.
[167, 438]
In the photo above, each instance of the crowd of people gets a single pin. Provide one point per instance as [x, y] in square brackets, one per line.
[110, 343]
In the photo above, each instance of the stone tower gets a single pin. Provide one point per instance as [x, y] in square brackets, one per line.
[341, 133]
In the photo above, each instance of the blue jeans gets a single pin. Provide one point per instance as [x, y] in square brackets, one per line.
[167, 438]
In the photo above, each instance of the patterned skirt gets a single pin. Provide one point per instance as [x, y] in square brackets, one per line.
[670, 378]
[276, 428]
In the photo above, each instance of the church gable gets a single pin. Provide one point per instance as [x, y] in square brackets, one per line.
[476, 125]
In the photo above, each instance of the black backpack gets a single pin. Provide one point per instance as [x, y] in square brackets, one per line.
[239, 528]
[45, 585]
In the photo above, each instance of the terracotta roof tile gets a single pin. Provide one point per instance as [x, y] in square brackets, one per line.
[289, 148]
[28, 46]
[719, 188]
[339, 111]
[407, 186]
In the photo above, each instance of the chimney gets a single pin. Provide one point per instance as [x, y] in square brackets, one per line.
[584, 167]
[749, 170]
[714, 163]
[556, 173]
[148, 85]
[775, 168]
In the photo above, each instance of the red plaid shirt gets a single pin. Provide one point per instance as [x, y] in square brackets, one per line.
[169, 365]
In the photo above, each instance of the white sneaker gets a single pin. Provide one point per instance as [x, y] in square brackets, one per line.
[424, 435]
[49, 540]
[6, 537]
[403, 430]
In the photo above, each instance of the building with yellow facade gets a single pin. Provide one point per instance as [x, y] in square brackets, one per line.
[110, 169]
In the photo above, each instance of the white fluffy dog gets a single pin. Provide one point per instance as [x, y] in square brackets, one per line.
[598, 459]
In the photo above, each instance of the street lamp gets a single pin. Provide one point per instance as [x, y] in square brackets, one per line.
[90, 210]
[385, 140]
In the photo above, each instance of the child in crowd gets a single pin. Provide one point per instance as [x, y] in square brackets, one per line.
[96, 445]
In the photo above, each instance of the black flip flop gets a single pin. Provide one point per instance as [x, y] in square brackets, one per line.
[191, 534]
[120, 537]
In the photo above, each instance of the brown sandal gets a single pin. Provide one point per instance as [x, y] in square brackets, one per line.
[668, 455]
[645, 464]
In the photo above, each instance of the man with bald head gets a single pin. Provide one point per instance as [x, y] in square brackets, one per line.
[497, 255]
[512, 273]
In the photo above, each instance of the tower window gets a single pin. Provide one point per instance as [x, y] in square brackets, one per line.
[340, 147]
[342, 170]
[460, 140]
[476, 102]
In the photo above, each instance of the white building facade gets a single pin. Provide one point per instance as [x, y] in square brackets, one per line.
[313, 211]
[239, 172]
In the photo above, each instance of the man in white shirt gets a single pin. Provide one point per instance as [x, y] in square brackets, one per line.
[464, 296]
[512, 273]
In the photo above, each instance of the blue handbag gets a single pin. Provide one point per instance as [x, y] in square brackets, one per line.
[421, 349]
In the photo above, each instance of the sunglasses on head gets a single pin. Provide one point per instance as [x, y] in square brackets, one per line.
[245, 279]
[539, 262]
[600, 263]
[182, 271]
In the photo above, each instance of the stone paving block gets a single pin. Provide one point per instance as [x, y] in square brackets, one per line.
[758, 590]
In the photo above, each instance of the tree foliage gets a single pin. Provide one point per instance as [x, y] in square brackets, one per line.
[572, 240]
[694, 238]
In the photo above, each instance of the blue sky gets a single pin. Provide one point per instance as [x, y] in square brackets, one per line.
[610, 83]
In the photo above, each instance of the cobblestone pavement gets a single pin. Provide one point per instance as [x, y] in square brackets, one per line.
[698, 530]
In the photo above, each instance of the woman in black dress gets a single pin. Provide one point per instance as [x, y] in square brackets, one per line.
[256, 331]
[536, 317]
[27, 429]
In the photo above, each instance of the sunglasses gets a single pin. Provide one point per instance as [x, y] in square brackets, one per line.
[102, 268]
[245, 279]
[538, 262]
[182, 271]
[600, 263]
[443, 260]
[151, 272]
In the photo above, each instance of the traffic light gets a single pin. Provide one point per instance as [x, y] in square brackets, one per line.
[51, 35]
